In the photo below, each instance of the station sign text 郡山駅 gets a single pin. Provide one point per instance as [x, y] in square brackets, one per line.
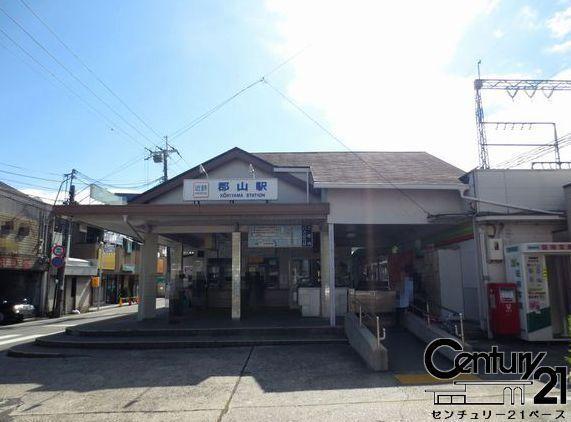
[230, 189]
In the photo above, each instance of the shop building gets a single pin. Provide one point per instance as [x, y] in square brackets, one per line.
[23, 246]
[260, 232]
[120, 261]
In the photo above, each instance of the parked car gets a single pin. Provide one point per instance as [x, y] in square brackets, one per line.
[16, 310]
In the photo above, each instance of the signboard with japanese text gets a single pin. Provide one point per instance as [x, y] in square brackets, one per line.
[108, 257]
[230, 189]
[280, 236]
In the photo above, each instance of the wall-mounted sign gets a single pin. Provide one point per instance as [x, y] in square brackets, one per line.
[230, 189]
[280, 236]
[107, 261]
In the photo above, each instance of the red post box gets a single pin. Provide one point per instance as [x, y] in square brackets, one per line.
[504, 309]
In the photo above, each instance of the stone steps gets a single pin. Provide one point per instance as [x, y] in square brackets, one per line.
[61, 341]
[209, 332]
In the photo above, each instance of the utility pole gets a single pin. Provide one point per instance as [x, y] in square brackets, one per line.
[161, 155]
[66, 241]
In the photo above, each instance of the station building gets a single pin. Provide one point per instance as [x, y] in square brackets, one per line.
[260, 232]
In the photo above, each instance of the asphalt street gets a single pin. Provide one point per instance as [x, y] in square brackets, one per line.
[258, 383]
[28, 331]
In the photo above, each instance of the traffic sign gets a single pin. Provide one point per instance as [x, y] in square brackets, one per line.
[58, 261]
[58, 250]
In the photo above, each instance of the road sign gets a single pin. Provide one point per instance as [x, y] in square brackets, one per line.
[58, 261]
[58, 250]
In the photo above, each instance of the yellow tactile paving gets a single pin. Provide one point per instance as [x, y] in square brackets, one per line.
[419, 379]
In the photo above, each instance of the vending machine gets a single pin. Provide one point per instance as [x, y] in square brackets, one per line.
[542, 292]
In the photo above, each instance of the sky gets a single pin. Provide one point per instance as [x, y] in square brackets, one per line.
[394, 76]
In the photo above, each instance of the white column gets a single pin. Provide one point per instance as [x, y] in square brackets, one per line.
[148, 278]
[236, 288]
[324, 259]
[331, 253]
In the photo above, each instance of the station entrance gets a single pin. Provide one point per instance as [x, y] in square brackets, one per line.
[270, 274]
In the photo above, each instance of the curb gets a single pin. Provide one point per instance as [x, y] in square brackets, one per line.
[35, 355]
[185, 344]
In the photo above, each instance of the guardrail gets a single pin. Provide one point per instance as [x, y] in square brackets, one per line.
[365, 316]
[448, 319]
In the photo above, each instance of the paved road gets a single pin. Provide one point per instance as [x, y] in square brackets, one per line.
[265, 383]
[11, 335]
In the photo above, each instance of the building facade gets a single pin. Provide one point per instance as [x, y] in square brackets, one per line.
[24, 246]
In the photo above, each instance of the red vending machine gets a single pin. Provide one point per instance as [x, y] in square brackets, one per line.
[504, 310]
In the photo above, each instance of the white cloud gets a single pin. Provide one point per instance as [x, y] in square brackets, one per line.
[564, 47]
[527, 18]
[378, 77]
[498, 33]
[43, 195]
[378, 74]
[560, 23]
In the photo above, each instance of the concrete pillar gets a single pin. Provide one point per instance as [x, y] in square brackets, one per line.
[328, 273]
[324, 260]
[236, 266]
[148, 278]
[331, 254]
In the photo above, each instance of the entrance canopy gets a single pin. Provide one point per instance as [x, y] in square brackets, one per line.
[136, 219]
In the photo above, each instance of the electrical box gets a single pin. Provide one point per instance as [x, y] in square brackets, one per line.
[495, 249]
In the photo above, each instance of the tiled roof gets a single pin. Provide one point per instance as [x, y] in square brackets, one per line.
[378, 167]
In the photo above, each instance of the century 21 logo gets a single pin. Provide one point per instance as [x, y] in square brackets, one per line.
[495, 362]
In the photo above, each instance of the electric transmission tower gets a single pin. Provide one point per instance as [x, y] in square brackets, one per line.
[512, 87]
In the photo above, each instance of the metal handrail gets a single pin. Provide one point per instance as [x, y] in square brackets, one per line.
[458, 328]
[364, 314]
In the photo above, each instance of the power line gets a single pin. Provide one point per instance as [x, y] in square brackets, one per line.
[84, 64]
[30, 177]
[122, 167]
[213, 110]
[535, 153]
[108, 122]
[28, 184]
[28, 169]
[63, 66]
[336, 138]
[217, 107]
[21, 202]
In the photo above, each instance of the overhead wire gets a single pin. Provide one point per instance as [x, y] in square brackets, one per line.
[32, 185]
[535, 153]
[336, 138]
[121, 168]
[88, 68]
[74, 76]
[245, 88]
[112, 125]
[29, 169]
[29, 177]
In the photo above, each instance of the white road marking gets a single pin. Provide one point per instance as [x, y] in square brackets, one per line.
[60, 325]
[9, 335]
[24, 338]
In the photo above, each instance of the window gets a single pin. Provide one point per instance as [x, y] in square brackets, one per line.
[6, 228]
[23, 231]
